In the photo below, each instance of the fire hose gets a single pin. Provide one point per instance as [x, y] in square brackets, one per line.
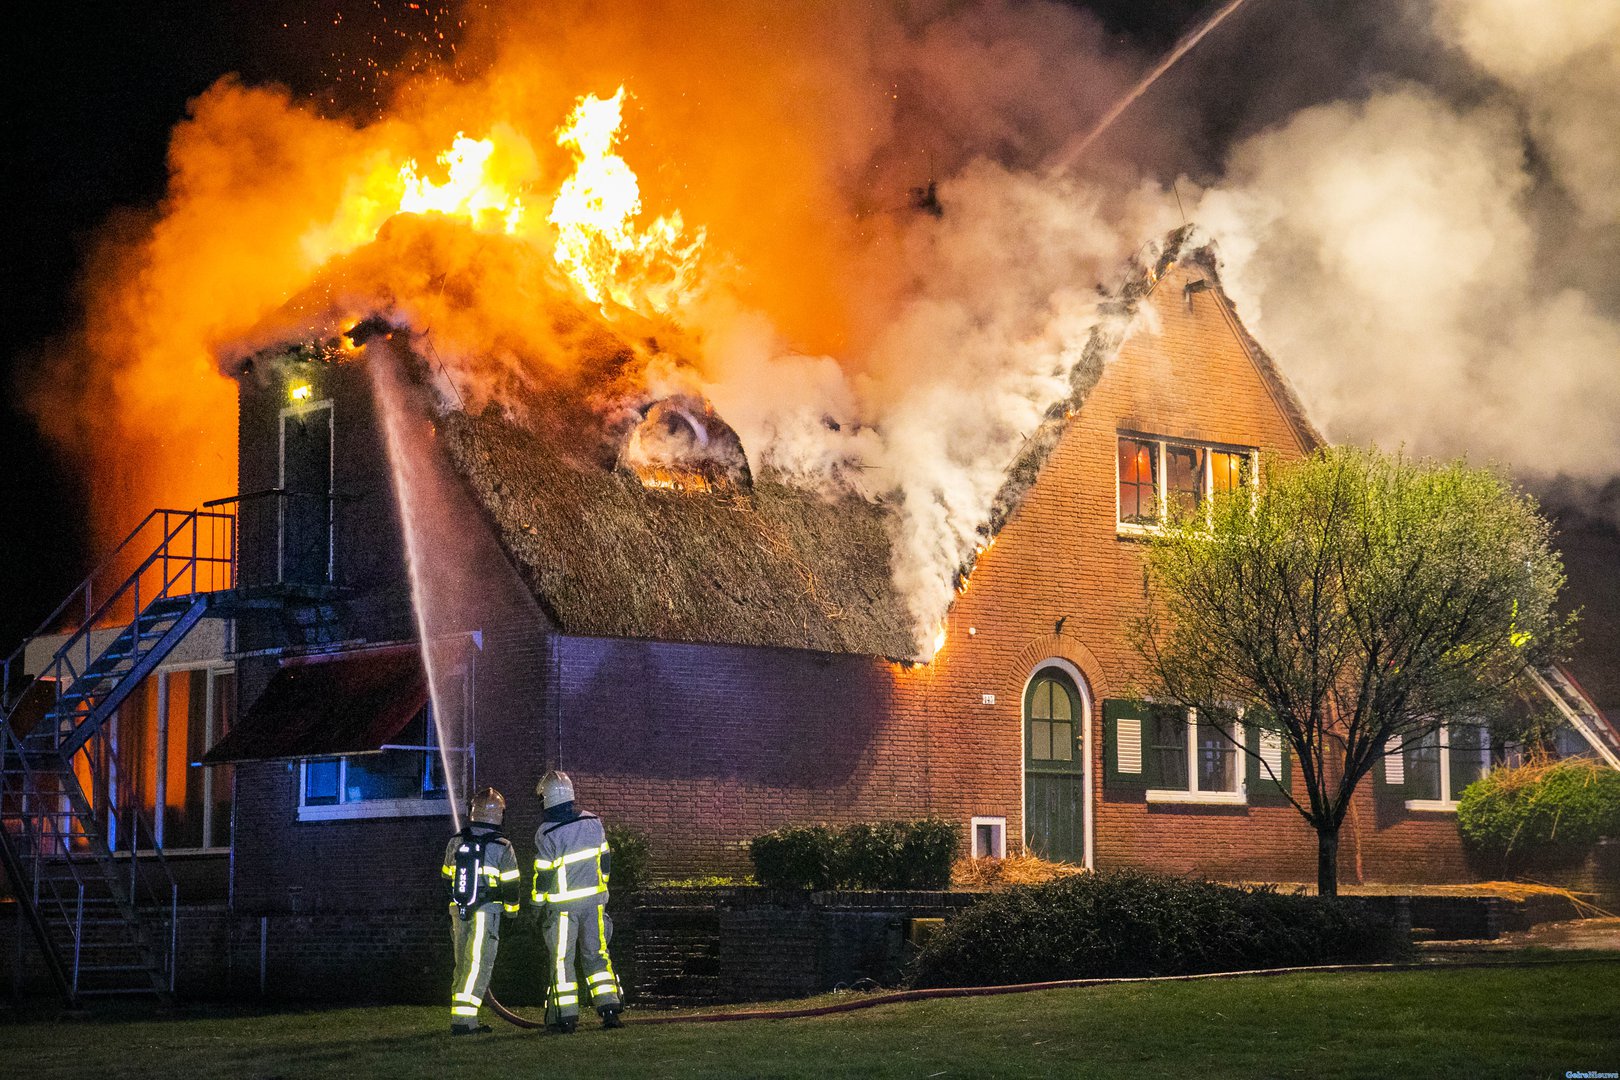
[897, 996]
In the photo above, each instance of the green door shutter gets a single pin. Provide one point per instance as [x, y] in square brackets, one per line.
[1267, 748]
[1126, 761]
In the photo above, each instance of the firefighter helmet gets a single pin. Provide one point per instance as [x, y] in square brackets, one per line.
[488, 806]
[555, 789]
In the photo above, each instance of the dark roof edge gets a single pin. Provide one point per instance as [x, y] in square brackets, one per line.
[1282, 391]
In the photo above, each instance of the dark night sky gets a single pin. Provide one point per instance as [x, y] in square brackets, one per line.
[95, 88]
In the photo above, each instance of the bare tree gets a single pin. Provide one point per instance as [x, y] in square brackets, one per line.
[1351, 603]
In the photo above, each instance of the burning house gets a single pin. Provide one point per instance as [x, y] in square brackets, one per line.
[489, 520]
[426, 600]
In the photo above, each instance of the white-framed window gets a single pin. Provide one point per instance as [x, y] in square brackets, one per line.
[1155, 475]
[404, 778]
[1189, 759]
[989, 837]
[1436, 768]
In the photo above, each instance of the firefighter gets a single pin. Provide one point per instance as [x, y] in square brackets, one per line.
[485, 880]
[571, 868]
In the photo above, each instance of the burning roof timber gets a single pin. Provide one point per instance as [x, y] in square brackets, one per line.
[611, 556]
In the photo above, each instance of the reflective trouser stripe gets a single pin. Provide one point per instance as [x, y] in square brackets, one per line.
[604, 984]
[562, 957]
[579, 935]
[477, 953]
[476, 941]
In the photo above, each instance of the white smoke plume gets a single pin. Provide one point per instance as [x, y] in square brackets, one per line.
[1435, 270]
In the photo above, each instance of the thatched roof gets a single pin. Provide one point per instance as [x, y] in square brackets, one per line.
[771, 565]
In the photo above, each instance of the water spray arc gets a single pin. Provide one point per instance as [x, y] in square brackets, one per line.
[1070, 153]
[384, 368]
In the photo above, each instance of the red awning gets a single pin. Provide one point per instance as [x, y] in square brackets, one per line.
[320, 706]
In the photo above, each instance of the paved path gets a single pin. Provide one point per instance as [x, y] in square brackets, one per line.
[1572, 934]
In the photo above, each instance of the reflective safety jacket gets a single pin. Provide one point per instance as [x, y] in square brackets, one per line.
[501, 879]
[572, 860]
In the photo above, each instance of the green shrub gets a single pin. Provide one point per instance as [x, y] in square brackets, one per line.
[1128, 923]
[869, 855]
[629, 859]
[794, 858]
[1540, 815]
[926, 854]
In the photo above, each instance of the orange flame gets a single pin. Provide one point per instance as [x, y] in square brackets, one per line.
[470, 191]
[483, 179]
[598, 244]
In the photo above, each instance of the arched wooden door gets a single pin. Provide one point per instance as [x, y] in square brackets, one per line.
[1054, 768]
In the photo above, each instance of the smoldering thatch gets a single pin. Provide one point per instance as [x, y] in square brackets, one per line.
[772, 565]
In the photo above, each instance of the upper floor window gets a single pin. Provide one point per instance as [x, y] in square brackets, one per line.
[1160, 477]
[1138, 481]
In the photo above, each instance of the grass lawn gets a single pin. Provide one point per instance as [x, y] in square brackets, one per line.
[1509, 1022]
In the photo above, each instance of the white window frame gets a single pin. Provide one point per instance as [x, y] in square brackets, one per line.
[361, 808]
[381, 808]
[1237, 795]
[1447, 802]
[998, 848]
[1161, 443]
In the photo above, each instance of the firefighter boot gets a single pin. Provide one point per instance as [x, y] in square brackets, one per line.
[462, 1029]
[610, 1019]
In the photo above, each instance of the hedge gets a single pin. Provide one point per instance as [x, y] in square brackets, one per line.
[1540, 815]
[1128, 923]
[629, 849]
[869, 855]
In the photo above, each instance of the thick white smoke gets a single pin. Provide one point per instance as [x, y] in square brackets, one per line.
[1431, 272]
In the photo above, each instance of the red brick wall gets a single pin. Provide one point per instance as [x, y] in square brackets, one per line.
[1183, 373]
[703, 747]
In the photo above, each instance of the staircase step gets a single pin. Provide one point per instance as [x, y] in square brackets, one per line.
[113, 967]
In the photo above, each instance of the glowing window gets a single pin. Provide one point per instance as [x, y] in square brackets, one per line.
[1138, 481]
[1229, 470]
[1184, 478]
[1158, 478]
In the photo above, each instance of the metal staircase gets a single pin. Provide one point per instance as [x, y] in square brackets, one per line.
[86, 871]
